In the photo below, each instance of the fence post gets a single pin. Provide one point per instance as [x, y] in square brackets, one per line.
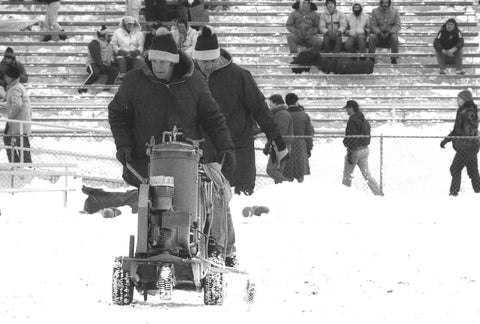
[381, 163]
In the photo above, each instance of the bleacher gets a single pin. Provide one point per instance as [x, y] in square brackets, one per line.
[411, 92]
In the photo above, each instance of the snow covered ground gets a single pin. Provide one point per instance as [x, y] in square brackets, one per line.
[324, 254]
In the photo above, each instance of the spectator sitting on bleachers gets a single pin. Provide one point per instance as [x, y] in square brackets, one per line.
[332, 25]
[303, 27]
[449, 46]
[127, 42]
[384, 27]
[100, 59]
[184, 36]
[194, 11]
[10, 60]
[358, 28]
[51, 20]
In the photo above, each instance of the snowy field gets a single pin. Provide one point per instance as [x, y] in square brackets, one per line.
[324, 254]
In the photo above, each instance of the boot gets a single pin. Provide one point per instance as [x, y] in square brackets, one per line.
[99, 199]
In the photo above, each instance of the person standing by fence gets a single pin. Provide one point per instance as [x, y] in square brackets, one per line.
[466, 124]
[357, 147]
[18, 108]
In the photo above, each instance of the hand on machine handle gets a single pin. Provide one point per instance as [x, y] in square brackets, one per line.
[228, 161]
[124, 155]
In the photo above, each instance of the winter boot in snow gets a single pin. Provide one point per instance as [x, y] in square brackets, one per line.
[99, 199]
[259, 210]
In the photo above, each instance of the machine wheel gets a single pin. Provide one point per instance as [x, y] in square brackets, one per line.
[214, 286]
[122, 286]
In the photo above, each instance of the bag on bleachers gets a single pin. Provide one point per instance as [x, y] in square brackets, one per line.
[349, 66]
[305, 57]
[326, 64]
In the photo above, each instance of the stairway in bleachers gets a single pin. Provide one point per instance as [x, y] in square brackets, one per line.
[254, 32]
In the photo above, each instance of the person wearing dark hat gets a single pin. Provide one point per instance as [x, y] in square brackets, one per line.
[168, 92]
[128, 41]
[242, 103]
[284, 121]
[302, 24]
[449, 46]
[466, 125]
[9, 59]
[18, 108]
[297, 166]
[332, 25]
[100, 59]
[384, 27]
[357, 139]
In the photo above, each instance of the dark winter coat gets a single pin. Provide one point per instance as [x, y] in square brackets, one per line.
[466, 124]
[357, 125]
[283, 120]
[243, 104]
[297, 165]
[144, 107]
[446, 40]
[3, 69]
[385, 20]
[195, 12]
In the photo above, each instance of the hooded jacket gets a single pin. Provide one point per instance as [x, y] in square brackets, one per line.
[100, 51]
[123, 40]
[303, 23]
[188, 44]
[332, 21]
[144, 106]
[357, 125]
[385, 20]
[18, 107]
[358, 25]
[243, 105]
[466, 124]
[446, 40]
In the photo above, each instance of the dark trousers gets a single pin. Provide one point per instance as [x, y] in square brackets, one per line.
[461, 160]
[94, 70]
[383, 41]
[332, 42]
[15, 141]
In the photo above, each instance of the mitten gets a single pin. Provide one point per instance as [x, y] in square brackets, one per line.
[124, 155]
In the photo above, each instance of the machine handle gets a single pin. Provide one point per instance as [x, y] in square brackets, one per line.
[135, 173]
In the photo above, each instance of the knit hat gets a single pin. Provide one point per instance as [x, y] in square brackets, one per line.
[163, 47]
[105, 31]
[352, 104]
[328, 1]
[291, 99]
[13, 71]
[207, 45]
[9, 53]
[465, 95]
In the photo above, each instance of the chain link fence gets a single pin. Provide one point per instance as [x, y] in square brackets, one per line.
[402, 165]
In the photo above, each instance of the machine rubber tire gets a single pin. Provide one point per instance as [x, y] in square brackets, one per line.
[122, 286]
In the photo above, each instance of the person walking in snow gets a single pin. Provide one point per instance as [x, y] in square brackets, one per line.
[18, 108]
[284, 121]
[298, 166]
[357, 147]
[100, 59]
[466, 125]
[242, 103]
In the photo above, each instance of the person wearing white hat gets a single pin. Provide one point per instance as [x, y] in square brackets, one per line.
[100, 59]
[128, 41]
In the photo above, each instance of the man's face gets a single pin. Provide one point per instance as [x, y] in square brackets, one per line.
[181, 28]
[129, 26]
[108, 37]
[331, 6]
[208, 66]
[357, 8]
[385, 4]
[349, 111]
[450, 26]
[460, 102]
[162, 69]
[8, 59]
[271, 104]
[306, 5]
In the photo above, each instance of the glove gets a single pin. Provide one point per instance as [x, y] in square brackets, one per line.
[228, 160]
[124, 155]
[268, 148]
[280, 149]
[134, 53]
[442, 143]
[122, 53]
[349, 157]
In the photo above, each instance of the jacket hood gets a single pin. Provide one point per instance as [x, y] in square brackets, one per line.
[136, 25]
[469, 104]
[357, 4]
[181, 70]
[297, 6]
[389, 3]
[444, 26]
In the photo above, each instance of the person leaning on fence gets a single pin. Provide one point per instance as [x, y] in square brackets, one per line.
[466, 124]
[242, 103]
[357, 147]
[449, 46]
[185, 37]
[303, 25]
[127, 42]
[18, 108]
[332, 25]
[358, 28]
[297, 165]
[384, 27]
[100, 59]
[284, 121]
[9, 59]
